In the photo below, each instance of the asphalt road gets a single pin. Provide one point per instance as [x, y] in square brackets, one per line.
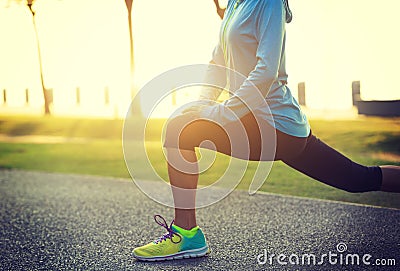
[73, 222]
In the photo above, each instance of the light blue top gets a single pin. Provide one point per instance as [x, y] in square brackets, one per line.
[252, 42]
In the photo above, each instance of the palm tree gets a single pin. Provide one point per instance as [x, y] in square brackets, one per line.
[46, 94]
[136, 106]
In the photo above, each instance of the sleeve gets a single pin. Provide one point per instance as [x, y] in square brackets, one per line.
[215, 75]
[269, 33]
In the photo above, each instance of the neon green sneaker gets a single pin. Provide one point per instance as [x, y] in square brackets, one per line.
[173, 244]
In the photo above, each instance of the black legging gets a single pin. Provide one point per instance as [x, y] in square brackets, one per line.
[308, 155]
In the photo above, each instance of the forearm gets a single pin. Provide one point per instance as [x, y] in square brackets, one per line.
[214, 82]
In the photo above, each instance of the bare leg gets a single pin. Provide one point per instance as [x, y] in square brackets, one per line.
[187, 178]
[390, 179]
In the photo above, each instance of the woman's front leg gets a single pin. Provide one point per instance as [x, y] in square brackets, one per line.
[183, 175]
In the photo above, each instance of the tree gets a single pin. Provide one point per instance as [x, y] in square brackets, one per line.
[46, 92]
[136, 106]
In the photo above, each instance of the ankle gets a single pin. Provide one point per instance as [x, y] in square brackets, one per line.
[186, 225]
[185, 218]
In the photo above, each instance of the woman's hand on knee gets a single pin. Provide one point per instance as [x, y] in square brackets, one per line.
[194, 109]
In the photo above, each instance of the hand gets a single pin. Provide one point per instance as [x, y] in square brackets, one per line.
[196, 107]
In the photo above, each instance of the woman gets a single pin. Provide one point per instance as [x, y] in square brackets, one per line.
[252, 42]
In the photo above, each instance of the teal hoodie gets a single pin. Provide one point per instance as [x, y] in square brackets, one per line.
[252, 43]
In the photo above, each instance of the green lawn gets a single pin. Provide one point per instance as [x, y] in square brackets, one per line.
[366, 140]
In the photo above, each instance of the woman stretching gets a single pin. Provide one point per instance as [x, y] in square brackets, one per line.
[252, 42]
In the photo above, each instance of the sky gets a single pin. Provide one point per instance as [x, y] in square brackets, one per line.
[85, 44]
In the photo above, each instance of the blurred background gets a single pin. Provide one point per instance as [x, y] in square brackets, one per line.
[85, 55]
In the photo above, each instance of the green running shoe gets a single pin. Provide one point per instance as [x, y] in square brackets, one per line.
[173, 244]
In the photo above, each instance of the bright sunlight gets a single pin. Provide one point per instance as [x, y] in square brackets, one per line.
[85, 51]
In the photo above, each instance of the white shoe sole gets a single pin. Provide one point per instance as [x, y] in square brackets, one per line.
[187, 254]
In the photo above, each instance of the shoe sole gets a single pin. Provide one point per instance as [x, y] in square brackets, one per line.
[187, 254]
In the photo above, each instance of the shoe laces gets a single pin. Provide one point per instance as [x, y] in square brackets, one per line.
[170, 233]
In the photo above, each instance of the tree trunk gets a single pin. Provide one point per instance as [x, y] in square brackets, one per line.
[46, 96]
[135, 108]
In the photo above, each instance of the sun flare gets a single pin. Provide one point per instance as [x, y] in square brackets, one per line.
[85, 50]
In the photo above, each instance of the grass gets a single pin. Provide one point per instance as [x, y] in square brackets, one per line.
[370, 141]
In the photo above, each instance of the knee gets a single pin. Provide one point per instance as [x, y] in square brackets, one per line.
[354, 190]
[360, 189]
[173, 131]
